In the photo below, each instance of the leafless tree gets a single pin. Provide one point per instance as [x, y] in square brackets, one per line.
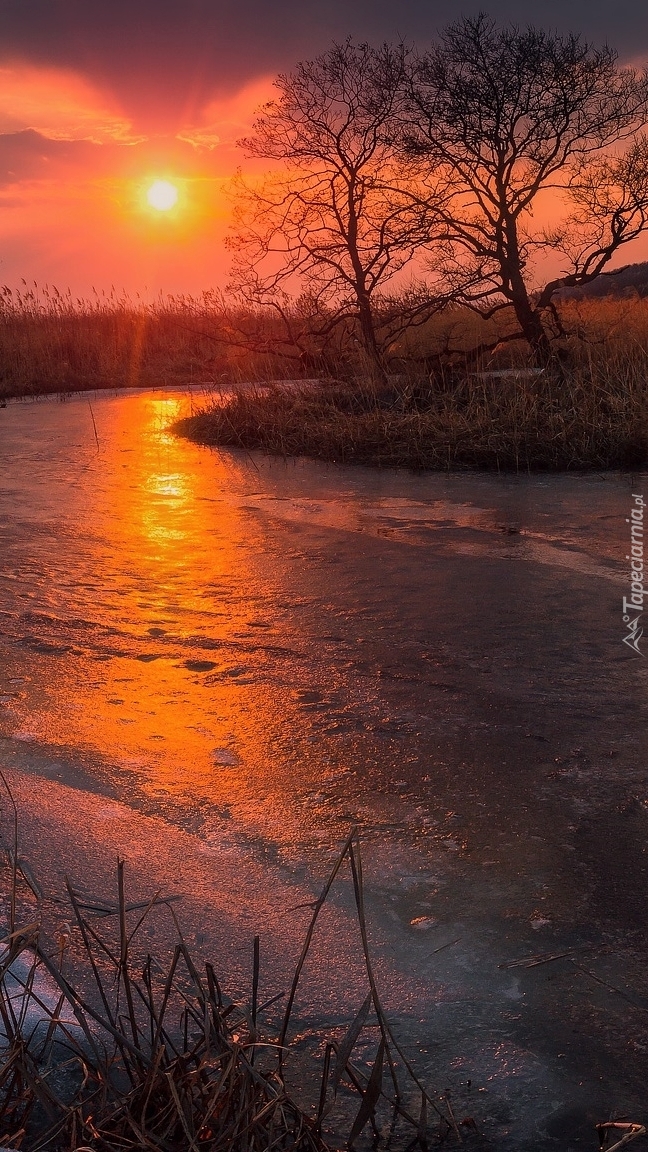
[525, 121]
[340, 219]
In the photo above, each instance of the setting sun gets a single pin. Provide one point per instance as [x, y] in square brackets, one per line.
[162, 195]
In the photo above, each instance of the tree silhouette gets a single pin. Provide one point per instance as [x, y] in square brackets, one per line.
[513, 118]
[340, 218]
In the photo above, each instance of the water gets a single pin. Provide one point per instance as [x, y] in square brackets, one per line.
[214, 665]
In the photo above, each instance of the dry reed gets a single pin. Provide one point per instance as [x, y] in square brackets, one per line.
[130, 1054]
[593, 418]
[593, 413]
[488, 412]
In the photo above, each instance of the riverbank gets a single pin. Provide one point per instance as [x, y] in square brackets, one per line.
[214, 664]
[104, 1043]
[509, 421]
[441, 408]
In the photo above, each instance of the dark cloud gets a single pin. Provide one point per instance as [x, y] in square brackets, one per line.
[30, 155]
[163, 59]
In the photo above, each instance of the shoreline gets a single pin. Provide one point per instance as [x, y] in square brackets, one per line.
[247, 657]
[505, 422]
[469, 428]
[56, 391]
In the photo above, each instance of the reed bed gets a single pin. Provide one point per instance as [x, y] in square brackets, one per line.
[440, 410]
[595, 416]
[53, 343]
[442, 407]
[127, 1053]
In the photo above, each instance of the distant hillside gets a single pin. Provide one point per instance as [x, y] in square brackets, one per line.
[626, 281]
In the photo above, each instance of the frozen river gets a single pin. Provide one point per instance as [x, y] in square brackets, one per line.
[214, 665]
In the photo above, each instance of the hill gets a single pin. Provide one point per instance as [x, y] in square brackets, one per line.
[627, 281]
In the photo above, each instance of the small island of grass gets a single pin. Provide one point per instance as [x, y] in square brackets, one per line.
[593, 415]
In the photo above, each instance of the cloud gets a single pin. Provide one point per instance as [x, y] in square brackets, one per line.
[161, 61]
[60, 105]
[29, 155]
[224, 119]
[199, 137]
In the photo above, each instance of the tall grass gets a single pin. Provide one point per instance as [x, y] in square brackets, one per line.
[444, 406]
[594, 416]
[51, 342]
[107, 1050]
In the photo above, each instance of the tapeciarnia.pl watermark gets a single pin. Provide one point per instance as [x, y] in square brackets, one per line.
[633, 607]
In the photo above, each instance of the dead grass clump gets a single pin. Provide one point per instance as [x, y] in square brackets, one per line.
[151, 1059]
[109, 1051]
[593, 416]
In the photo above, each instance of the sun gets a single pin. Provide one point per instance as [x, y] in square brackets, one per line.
[162, 195]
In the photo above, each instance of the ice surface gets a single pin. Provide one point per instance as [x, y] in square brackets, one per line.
[214, 666]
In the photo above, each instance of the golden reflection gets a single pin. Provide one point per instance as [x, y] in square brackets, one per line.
[181, 674]
[168, 492]
[181, 581]
[169, 502]
[168, 486]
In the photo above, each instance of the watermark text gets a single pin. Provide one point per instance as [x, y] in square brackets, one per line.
[633, 605]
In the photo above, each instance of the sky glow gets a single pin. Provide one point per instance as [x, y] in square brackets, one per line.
[96, 100]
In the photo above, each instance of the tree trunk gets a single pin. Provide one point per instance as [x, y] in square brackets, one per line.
[533, 329]
[528, 317]
[363, 297]
[369, 341]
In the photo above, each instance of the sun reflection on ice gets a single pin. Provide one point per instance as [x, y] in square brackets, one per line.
[160, 691]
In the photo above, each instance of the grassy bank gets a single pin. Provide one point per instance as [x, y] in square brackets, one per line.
[594, 414]
[596, 417]
[52, 343]
[104, 1047]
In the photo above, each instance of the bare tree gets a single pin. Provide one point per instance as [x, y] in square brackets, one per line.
[340, 219]
[513, 118]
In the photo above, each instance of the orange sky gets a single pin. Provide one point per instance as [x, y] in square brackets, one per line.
[79, 143]
[75, 169]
